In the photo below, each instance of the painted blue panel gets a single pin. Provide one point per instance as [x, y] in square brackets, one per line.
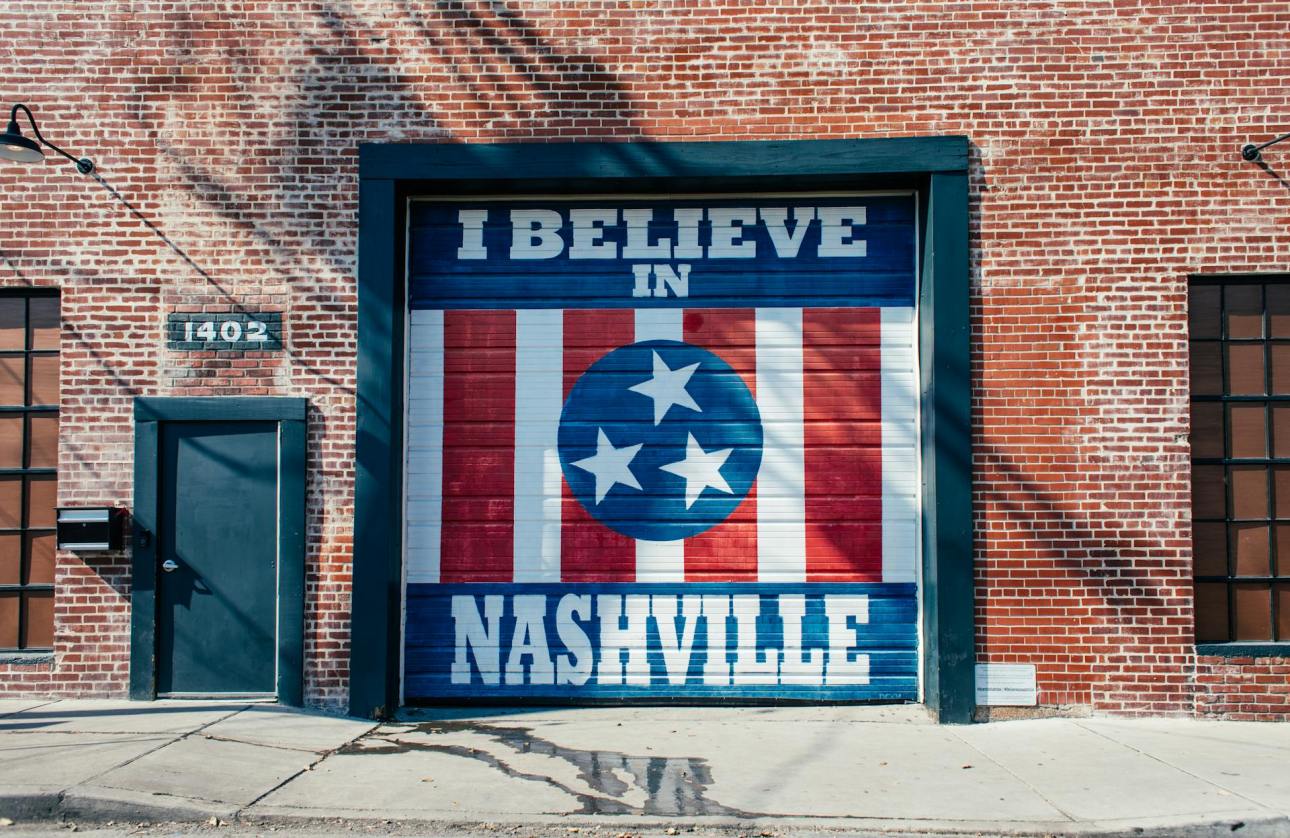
[857, 641]
[558, 254]
[603, 402]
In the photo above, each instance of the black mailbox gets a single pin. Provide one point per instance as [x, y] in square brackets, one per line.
[90, 528]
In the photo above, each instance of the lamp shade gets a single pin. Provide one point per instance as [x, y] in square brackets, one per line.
[14, 146]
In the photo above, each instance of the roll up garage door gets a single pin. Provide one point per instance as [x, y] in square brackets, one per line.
[662, 448]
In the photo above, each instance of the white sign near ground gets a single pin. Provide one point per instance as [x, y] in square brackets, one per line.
[1005, 685]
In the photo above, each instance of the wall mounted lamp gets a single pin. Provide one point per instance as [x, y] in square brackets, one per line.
[1251, 152]
[14, 146]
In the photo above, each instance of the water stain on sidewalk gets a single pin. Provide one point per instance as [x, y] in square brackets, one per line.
[671, 785]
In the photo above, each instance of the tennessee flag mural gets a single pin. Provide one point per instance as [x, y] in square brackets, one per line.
[662, 448]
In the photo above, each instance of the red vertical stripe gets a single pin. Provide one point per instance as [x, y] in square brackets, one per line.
[728, 551]
[478, 446]
[842, 395]
[590, 551]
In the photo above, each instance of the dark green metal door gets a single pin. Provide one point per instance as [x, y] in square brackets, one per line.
[217, 547]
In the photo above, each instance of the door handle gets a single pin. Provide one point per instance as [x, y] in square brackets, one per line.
[169, 565]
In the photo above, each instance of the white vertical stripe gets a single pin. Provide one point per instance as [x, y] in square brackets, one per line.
[781, 482]
[425, 445]
[659, 324]
[659, 561]
[539, 392]
[900, 479]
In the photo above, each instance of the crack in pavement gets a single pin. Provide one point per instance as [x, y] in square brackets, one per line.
[1216, 784]
[172, 738]
[5, 715]
[310, 767]
[1018, 777]
[672, 785]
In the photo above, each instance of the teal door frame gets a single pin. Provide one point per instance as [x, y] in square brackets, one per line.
[936, 167]
[289, 414]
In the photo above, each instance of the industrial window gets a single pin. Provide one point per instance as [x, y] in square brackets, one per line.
[1240, 454]
[29, 327]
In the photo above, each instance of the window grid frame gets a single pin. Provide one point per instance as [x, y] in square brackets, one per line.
[1231, 579]
[23, 588]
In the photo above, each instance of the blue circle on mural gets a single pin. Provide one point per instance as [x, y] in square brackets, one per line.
[660, 440]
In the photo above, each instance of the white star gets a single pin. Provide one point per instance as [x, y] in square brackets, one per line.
[701, 469]
[610, 465]
[667, 387]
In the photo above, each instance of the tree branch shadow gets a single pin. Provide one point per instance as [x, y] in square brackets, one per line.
[1106, 566]
[302, 120]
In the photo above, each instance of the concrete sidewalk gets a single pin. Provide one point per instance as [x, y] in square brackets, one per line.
[805, 769]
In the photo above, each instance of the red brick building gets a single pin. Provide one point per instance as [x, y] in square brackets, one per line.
[1105, 181]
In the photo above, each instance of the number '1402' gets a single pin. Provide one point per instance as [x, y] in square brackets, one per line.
[230, 331]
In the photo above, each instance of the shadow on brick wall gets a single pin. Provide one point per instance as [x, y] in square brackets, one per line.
[1094, 563]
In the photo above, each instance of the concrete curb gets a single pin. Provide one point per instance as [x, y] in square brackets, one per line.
[33, 806]
[97, 805]
[1273, 827]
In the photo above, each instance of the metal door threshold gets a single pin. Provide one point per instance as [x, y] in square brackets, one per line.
[259, 698]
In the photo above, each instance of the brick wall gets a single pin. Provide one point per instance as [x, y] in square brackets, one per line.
[1105, 171]
[1250, 689]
